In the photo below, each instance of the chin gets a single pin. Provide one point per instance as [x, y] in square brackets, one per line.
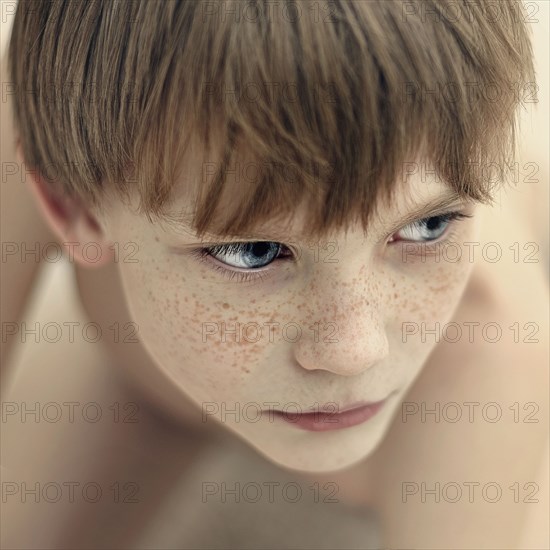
[317, 453]
[307, 465]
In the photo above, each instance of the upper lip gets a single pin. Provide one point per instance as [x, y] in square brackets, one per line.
[333, 408]
[329, 408]
[356, 405]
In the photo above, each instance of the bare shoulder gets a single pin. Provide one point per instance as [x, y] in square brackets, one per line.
[466, 452]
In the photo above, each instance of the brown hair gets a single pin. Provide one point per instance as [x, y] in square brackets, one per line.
[338, 94]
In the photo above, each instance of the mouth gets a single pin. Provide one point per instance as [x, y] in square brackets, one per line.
[330, 417]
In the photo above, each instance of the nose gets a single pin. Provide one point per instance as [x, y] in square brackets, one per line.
[343, 330]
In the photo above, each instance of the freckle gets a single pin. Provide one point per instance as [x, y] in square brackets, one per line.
[157, 239]
[225, 306]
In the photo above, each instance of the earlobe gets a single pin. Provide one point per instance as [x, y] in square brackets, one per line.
[76, 227]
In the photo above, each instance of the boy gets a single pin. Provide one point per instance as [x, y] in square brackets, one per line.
[356, 147]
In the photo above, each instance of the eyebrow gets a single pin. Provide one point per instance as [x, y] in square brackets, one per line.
[181, 223]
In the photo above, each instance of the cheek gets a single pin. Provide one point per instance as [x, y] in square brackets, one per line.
[191, 334]
[433, 283]
[428, 295]
[435, 290]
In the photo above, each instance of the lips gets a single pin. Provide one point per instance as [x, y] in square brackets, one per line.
[329, 418]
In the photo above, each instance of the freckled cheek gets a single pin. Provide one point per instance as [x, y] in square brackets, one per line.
[180, 323]
[423, 295]
[192, 335]
[436, 290]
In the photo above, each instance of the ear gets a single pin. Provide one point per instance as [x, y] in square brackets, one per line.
[78, 230]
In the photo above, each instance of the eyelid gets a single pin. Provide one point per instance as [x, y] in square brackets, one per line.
[448, 216]
[243, 275]
[452, 219]
[457, 208]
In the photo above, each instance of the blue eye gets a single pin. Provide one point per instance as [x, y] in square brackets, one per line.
[428, 229]
[252, 255]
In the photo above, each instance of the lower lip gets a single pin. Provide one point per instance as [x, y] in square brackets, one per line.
[322, 422]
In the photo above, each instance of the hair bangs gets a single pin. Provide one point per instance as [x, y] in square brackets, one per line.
[326, 110]
[330, 115]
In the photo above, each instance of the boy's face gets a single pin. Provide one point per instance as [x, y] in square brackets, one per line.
[349, 319]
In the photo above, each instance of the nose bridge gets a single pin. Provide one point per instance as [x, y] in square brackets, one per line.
[345, 329]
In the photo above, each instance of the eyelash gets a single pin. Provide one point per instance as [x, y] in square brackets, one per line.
[259, 275]
[203, 255]
[447, 234]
